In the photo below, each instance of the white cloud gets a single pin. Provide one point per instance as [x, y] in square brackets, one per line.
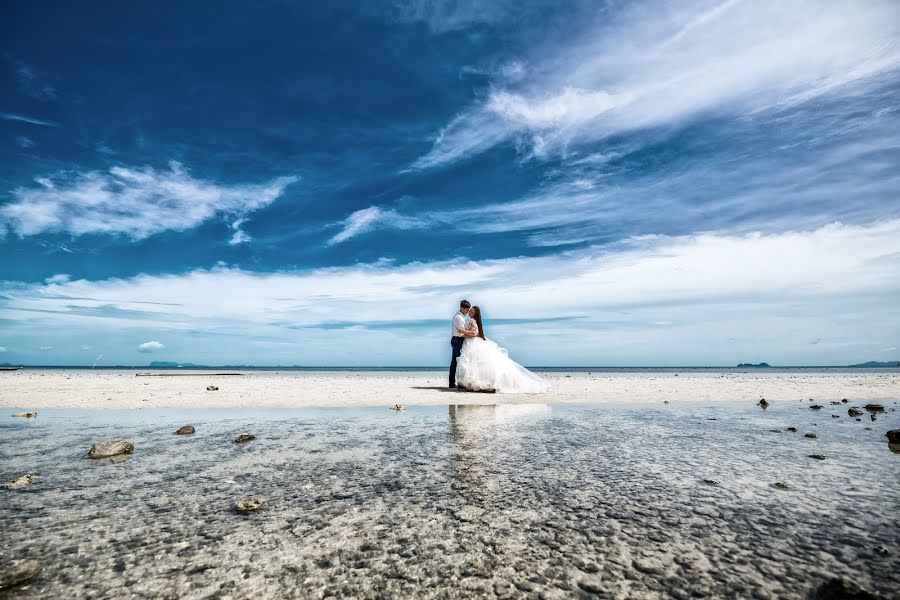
[2, 348]
[45, 348]
[26, 119]
[667, 63]
[770, 293]
[150, 346]
[135, 202]
[25, 142]
[372, 218]
[442, 16]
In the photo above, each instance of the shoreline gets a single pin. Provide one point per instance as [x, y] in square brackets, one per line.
[299, 389]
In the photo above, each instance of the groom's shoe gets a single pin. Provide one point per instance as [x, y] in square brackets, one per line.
[460, 388]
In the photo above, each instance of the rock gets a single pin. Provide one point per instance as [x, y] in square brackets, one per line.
[815, 407]
[18, 573]
[775, 430]
[186, 430]
[835, 403]
[763, 403]
[781, 485]
[811, 435]
[893, 435]
[107, 449]
[26, 415]
[841, 589]
[665, 402]
[710, 482]
[874, 408]
[835, 416]
[591, 587]
[881, 549]
[212, 388]
[844, 400]
[247, 505]
[855, 412]
[794, 429]
[817, 456]
[244, 437]
[20, 482]
[398, 407]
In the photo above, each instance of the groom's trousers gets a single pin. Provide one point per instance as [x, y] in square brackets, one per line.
[456, 343]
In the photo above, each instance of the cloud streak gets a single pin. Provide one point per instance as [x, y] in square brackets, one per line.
[132, 202]
[25, 119]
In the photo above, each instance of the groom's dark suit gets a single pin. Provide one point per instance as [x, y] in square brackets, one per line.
[456, 343]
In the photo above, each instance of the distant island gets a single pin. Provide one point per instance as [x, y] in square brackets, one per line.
[752, 366]
[164, 364]
[876, 364]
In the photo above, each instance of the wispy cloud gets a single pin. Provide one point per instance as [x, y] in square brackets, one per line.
[25, 142]
[666, 64]
[374, 217]
[651, 299]
[442, 16]
[134, 202]
[25, 119]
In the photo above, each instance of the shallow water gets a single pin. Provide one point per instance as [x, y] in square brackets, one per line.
[459, 501]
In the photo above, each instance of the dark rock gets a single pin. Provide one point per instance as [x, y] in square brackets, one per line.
[775, 430]
[212, 388]
[794, 429]
[811, 435]
[18, 573]
[591, 587]
[113, 448]
[247, 505]
[893, 435]
[854, 412]
[841, 589]
[763, 403]
[844, 400]
[881, 549]
[815, 407]
[781, 485]
[186, 430]
[817, 456]
[835, 416]
[20, 482]
[874, 407]
[26, 415]
[398, 407]
[710, 482]
[835, 403]
[244, 437]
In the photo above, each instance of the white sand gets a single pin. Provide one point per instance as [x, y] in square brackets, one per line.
[36, 389]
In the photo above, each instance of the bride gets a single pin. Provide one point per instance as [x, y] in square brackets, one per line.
[483, 366]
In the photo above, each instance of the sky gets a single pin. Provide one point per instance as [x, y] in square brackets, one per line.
[649, 183]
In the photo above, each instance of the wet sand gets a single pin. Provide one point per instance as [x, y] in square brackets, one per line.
[459, 501]
[37, 389]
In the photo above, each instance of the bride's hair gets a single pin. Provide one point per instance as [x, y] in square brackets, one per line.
[478, 321]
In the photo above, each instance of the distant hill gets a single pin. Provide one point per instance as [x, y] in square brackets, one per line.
[164, 364]
[875, 363]
[752, 366]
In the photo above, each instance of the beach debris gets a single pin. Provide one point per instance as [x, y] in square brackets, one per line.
[108, 449]
[782, 485]
[398, 407]
[710, 482]
[244, 437]
[20, 482]
[794, 429]
[841, 589]
[763, 403]
[247, 505]
[810, 435]
[186, 430]
[874, 407]
[816, 407]
[881, 549]
[26, 415]
[893, 436]
[817, 456]
[855, 412]
[212, 388]
[18, 572]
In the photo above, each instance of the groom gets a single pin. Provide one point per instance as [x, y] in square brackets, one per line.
[456, 341]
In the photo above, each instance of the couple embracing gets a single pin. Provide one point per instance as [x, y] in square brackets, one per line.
[480, 365]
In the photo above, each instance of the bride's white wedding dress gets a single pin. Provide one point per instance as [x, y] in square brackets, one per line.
[484, 366]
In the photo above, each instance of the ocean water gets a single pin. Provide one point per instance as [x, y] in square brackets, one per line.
[456, 501]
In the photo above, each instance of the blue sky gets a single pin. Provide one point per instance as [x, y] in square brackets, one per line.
[643, 183]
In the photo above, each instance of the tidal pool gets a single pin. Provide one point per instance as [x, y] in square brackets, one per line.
[544, 501]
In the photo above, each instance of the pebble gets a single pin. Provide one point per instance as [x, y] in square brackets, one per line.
[212, 388]
[18, 573]
[244, 437]
[844, 400]
[398, 407]
[782, 485]
[881, 549]
[810, 435]
[710, 482]
[186, 430]
[113, 448]
[20, 482]
[794, 429]
[26, 415]
[854, 412]
[247, 505]
[815, 407]
[817, 456]
[763, 403]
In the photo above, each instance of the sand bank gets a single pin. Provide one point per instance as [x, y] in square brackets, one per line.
[35, 389]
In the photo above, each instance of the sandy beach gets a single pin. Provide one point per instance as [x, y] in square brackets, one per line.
[35, 389]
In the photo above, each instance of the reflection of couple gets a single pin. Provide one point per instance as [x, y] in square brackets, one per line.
[480, 365]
